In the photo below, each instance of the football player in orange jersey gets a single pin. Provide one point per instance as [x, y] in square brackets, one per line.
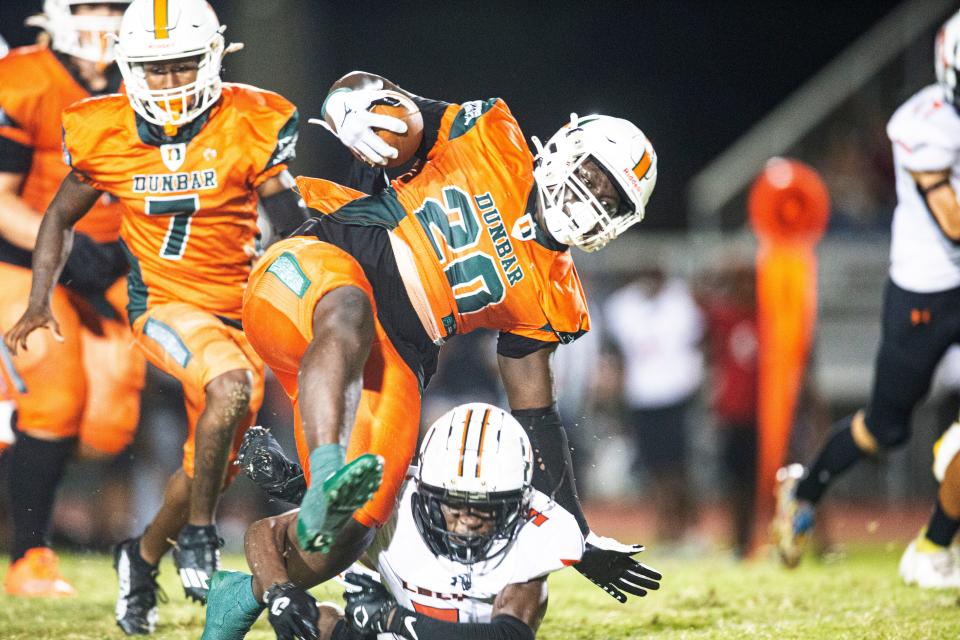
[349, 314]
[81, 392]
[169, 150]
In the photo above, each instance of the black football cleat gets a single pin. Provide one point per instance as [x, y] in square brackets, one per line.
[136, 610]
[263, 461]
[196, 555]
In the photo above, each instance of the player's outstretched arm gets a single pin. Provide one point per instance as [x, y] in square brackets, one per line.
[528, 381]
[371, 609]
[54, 241]
[941, 199]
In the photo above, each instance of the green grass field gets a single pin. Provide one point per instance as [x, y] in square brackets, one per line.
[856, 596]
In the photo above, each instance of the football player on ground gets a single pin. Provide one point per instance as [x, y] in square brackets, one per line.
[79, 390]
[921, 311]
[465, 555]
[349, 313]
[169, 149]
[925, 562]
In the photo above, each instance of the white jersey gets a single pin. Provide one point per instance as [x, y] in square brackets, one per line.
[420, 581]
[925, 132]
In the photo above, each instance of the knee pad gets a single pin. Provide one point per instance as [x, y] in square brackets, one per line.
[945, 449]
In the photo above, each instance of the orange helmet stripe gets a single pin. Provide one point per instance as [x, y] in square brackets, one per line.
[160, 19]
[483, 431]
[643, 166]
[463, 443]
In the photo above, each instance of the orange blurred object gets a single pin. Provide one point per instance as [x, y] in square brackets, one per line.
[789, 208]
[788, 201]
[37, 575]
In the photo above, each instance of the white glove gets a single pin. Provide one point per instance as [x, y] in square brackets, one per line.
[354, 124]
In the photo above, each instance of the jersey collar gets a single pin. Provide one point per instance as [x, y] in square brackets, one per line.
[153, 135]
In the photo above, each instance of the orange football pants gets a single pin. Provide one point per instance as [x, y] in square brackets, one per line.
[278, 306]
[195, 347]
[87, 386]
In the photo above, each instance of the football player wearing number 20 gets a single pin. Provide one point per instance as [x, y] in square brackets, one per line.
[167, 149]
[349, 313]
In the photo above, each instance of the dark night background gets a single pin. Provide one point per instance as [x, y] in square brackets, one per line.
[692, 75]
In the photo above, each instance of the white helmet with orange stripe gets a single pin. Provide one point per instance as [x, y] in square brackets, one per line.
[83, 33]
[473, 484]
[161, 31]
[571, 211]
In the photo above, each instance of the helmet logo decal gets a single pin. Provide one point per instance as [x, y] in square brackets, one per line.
[161, 31]
[641, 168]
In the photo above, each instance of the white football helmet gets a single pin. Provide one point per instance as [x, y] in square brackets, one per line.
[624, 154]
[475, 457]
[160, 30]
[946, 59]
[64, 28]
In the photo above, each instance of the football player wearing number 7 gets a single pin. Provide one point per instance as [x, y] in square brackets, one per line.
[350, 312]
[189, 157]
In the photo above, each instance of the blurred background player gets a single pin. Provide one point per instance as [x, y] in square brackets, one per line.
[349, 316]
[190, 234]
[465, 555]
[657, 329]
[921, 312]
[79, 389]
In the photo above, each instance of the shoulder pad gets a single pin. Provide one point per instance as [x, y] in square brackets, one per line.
[925, 132]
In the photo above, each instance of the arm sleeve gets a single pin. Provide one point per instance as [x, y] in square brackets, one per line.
[286, 211]
[284, 151]
[502, 627]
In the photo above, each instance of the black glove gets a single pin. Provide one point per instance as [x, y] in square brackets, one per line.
[370, 607]
[607, 564]
[93, 267]
[263, 461]
[292, 612]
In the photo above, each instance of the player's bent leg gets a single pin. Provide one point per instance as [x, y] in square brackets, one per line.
[330, 385]
[274, 553]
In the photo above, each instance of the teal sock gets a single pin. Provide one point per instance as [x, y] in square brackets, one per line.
[231, 607]
[325, 460]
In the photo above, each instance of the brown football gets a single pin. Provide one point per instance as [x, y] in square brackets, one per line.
[400, 106]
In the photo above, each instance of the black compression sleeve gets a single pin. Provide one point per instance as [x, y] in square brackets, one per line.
[511, 345]
[285, 210]
[553, 471]
[502, 627]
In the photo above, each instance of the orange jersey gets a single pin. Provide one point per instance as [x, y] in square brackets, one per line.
[35, 88]
[468, 248]
[190, 218]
